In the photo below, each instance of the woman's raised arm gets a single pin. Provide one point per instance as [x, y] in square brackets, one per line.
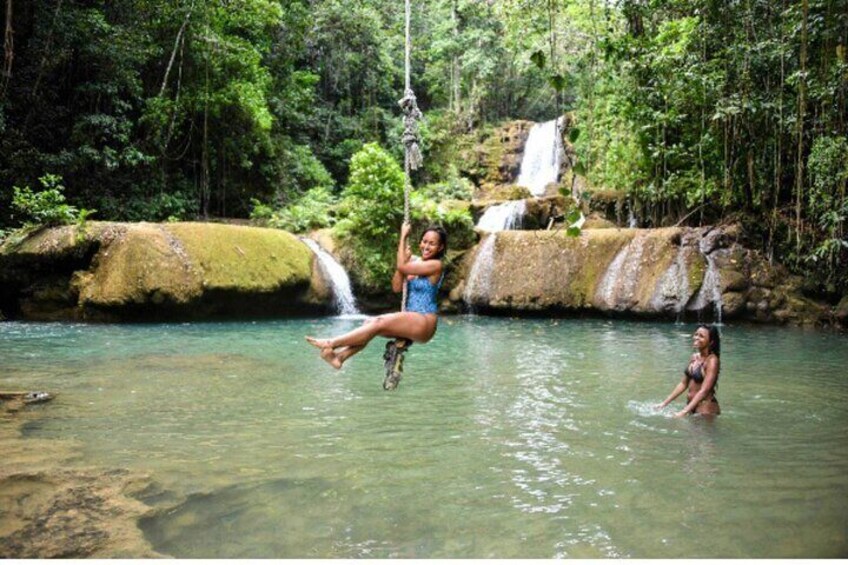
[678, 390]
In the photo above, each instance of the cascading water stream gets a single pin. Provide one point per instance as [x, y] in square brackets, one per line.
[632, 221]
[541, 161]
[337, 276]
[539, 167]
[710, 291]
[506, 216]
[480, 277]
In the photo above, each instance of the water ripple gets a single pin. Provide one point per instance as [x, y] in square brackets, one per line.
[507, 438]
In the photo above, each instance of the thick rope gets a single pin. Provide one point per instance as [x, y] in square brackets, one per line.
[412, 158]
[396, 348]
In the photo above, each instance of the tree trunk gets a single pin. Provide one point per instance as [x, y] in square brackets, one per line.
[45, 55]
[177, 43]
[204, 171]
[8, 45]
[778, 166]
[802, 102]
[552, 30]
[749, 187]
[456, 75]
[592, 62]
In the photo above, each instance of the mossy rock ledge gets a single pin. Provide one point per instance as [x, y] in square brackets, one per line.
[174, 271]
[667, 273]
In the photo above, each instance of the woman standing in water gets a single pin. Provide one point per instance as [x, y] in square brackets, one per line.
[418, 322]
[701, 375]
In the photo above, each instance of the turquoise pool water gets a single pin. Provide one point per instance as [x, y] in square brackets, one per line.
[506, 438]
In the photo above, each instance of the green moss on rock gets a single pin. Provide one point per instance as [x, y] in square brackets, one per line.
[142, 271]
[140, 263]
[696, 270]
[243, 258]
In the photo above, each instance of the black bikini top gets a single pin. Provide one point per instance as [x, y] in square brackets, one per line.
[695, 371]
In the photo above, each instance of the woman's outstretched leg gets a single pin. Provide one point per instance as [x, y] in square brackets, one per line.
[360, 336]
[347, 352]
[409, 325]
[336, 358]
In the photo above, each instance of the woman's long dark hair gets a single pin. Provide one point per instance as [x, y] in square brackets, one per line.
[715, 338]
[443, 239]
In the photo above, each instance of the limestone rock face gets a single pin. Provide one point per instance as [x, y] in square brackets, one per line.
[665, 273]
[495, 162]
[117, 271]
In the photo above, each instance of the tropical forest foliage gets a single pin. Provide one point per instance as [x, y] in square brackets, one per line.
[692, 110]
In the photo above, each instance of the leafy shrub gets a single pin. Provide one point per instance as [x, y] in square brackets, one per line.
[47, 207]
[371, 213]
[301, 171]
[261, 212]
[311, 211]
[453, 216]
[828, 207]
[165, 205]
[145, 200]
[454, 187]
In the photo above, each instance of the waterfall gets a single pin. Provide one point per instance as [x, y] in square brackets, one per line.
[673, 289]
[618, 286]
[710, 291]
[541, 161]
[506, 216]
[337, 276]
[480, 277]
[632, 222]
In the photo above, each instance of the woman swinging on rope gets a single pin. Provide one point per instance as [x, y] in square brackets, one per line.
[418, 322]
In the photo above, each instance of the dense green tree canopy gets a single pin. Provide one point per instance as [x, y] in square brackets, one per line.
[155, 109]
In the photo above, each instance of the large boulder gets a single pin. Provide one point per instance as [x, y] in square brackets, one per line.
[114, 271]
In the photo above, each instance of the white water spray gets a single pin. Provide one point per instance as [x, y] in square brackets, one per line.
[480, 277]
[506, 216]
[337, 276]
[541, 161]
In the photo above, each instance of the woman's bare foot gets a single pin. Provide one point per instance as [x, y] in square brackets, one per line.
[328, 355]
[319, 343]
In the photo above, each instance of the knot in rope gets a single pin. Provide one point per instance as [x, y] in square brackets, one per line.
[411, 138]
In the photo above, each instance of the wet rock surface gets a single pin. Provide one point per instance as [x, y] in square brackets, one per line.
[51, 509]
[658, 273]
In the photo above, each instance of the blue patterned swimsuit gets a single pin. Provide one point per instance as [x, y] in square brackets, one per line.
[421, 295]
